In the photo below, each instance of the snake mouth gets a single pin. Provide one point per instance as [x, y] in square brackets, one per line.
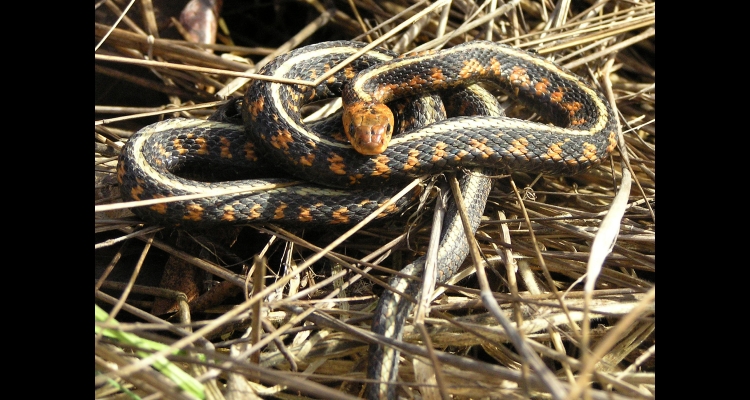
[370, 140]
[369, 127]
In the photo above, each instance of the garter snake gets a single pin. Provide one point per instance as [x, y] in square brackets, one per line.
[273, 120]
[582, 136]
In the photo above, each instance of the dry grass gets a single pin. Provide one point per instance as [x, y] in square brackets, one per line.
[587, 313]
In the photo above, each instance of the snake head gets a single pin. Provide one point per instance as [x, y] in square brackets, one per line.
[368, 126]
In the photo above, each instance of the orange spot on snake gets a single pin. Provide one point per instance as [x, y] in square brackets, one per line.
[337, 164]
[417, 81]
[136, 192]
[256, 107]
[577, 121]
[282, 139]
[437, 75]
[471, 68]
[194, 213]
[304, 214]
[439, 152]
[203, 145]
[250, 152]
[556, 96]
[461, 154]
[307, 160]
[481, 146]
[519, 77]
[228, 213]
[255, 211]
[572, 107]
[349, 72]
[496, 67]
[554, 151]
[381, 166]
[541, 87]
[226, 149]
[412, 160]
[160, 208]
[177, 144]
[279, 212]
[519, 147]
[387, 211]
[340, 216]
[588, 153]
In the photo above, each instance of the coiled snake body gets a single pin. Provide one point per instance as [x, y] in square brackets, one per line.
[584, 135]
